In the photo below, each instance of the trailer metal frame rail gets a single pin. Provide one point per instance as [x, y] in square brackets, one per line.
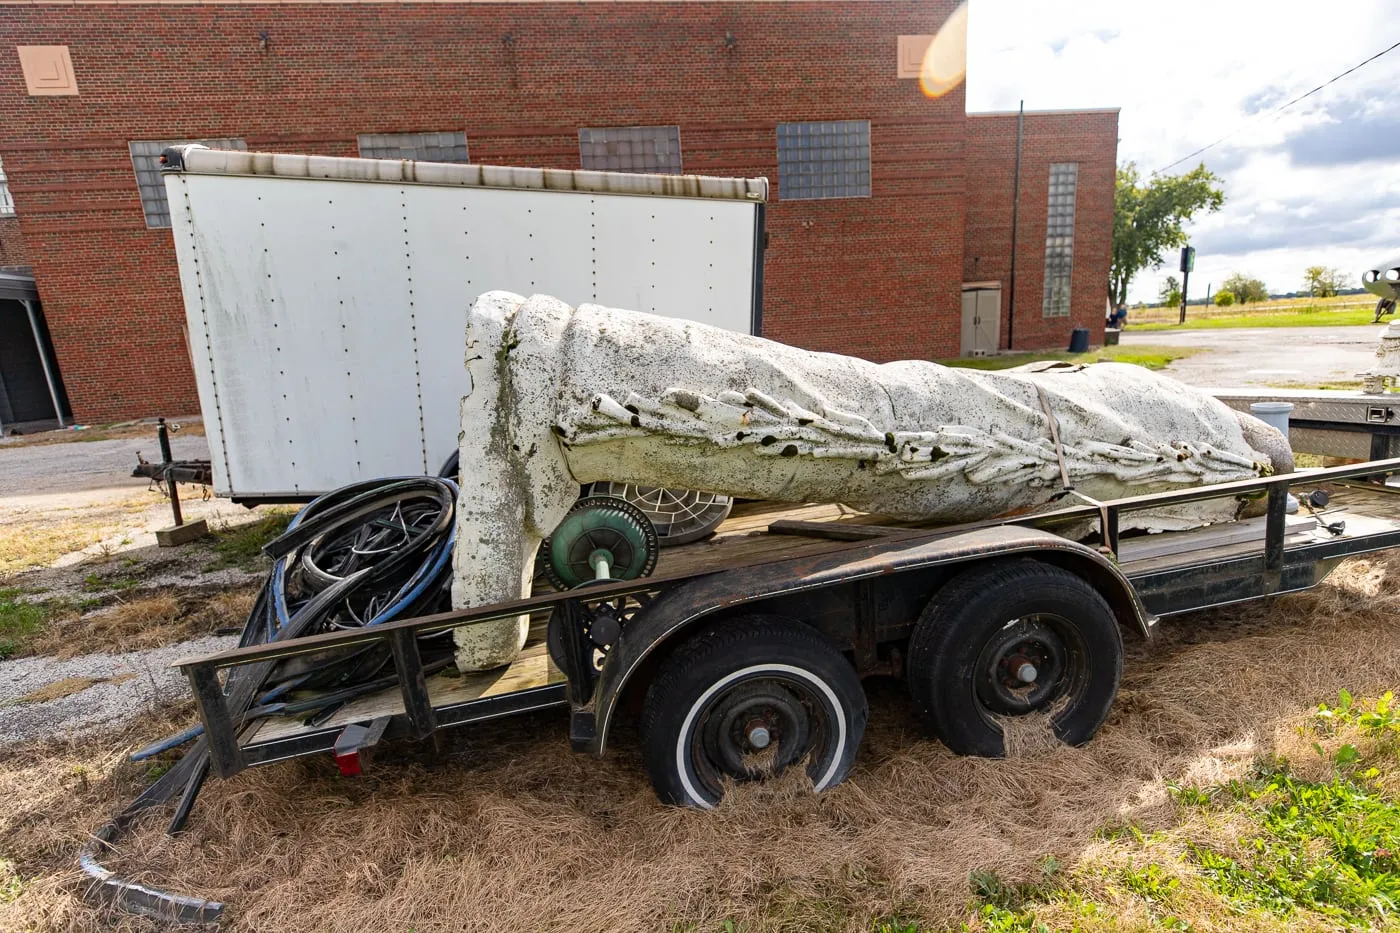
[1191, 586]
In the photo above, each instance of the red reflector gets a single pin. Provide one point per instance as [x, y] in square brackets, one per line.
[349, 764]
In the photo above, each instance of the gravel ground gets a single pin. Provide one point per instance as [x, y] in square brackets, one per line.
[135, 681]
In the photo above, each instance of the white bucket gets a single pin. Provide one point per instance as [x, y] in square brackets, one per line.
[1274, 414]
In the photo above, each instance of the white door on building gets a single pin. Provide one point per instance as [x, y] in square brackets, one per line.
[981, 318]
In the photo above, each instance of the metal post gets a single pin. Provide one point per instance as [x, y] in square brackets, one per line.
[1276, 526]
[413, 686]
[1015, 226]
[222, 736]
[1185, 278]
[1110, 531]
[43, 359]
[163, 436]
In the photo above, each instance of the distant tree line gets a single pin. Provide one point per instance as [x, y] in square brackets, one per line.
[1241, 288]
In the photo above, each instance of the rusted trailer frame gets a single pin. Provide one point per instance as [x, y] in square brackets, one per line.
[662, 606]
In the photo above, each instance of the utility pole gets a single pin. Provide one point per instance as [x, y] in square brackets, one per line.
[1188, 262]
[1015, 226]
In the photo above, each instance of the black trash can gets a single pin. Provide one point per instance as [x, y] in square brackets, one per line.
[1079, 340]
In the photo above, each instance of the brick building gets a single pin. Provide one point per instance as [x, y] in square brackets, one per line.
[869, 257]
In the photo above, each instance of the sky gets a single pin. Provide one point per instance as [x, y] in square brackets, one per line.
[1318, 184]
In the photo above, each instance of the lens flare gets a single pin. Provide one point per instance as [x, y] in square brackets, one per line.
[945, 60]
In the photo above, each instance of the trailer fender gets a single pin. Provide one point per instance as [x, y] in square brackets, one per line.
[683, 609]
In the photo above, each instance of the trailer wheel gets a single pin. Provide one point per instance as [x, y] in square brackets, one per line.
[746, 700]
[1011, 639]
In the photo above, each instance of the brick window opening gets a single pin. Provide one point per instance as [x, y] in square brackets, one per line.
[1059, 238]
[652, 150]
[7, 203]
[420, 147]
[145, 159]
[824, 160]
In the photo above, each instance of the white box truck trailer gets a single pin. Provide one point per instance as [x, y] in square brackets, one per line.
[326, 298]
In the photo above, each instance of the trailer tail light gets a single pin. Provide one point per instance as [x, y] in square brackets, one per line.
[348, 763]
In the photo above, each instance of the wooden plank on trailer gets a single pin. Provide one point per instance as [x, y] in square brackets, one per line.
[533, 668]
[1211, 555]
[1200, 539]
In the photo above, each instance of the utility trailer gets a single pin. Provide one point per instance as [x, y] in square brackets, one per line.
[744, 655]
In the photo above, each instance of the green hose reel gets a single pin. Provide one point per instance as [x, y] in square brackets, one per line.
[603, 538]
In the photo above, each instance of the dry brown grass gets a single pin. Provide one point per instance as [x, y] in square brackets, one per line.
[52, 792]
[69, 686]
[508, 830]
[145, 621]
[36, 537]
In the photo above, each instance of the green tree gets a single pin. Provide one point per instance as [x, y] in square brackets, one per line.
[1223, 298]
[1148, 216]
[1324, 282]
[1170, 292]
[1244, 288]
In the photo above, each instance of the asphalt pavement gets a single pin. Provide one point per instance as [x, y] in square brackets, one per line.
[1266, 356]
[85, 465]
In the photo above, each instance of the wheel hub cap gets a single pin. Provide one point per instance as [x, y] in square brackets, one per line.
[1023, 668]
[758, 735]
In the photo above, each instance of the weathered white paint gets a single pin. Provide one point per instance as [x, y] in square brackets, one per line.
[326, 297]
[515, 484]
[565, 396]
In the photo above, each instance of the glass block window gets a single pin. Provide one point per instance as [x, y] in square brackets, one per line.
[422, 147]
[654, 150]
[824, 160]
[7, 203]
[1059, 238]
[145, 158]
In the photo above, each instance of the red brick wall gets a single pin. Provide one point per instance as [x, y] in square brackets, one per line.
[11, 243]
[1089, 138]
[876, 277]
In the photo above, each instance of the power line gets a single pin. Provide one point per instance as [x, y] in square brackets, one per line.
[1282, 107]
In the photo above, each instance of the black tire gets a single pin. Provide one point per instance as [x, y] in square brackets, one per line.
[701, 709]
[979, 631]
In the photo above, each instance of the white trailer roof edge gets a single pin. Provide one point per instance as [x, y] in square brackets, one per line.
[205, 161]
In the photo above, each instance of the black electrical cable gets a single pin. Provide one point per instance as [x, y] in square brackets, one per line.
[359, 556]
[1282, 107]
[449, 466]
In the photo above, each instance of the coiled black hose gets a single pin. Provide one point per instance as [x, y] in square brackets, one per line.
[362, 555]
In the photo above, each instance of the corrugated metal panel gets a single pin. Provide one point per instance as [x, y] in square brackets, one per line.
[204, 161]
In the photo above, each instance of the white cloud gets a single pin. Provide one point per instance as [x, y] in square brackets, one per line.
[1318, 184]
